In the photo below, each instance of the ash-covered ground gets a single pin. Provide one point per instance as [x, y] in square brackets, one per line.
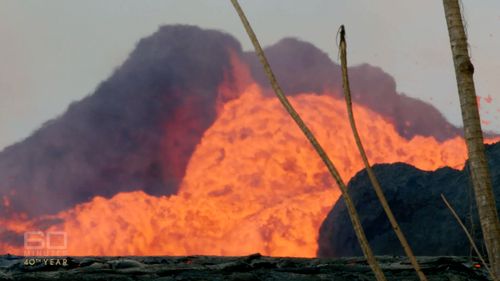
[253, 267]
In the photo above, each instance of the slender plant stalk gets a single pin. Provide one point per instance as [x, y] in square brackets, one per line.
[468, 236]
[478, 163]
[312, 139]
[369, 170]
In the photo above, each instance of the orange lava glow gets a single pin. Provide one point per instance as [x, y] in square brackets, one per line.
[253, 184]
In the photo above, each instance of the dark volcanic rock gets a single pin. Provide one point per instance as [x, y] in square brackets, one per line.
[414, 197]
[253, 267]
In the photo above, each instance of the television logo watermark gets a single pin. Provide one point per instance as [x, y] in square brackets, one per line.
[51, 243]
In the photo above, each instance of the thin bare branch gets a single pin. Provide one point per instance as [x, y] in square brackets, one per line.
[369, 170]
[468, 236]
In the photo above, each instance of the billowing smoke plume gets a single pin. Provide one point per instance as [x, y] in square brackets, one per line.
[301, 67]
[138, 130]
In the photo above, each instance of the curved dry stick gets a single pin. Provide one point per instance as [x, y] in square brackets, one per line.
[468, 236]
[369, 170]
[307, 132]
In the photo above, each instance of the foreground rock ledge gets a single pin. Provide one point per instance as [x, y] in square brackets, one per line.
[253, 267]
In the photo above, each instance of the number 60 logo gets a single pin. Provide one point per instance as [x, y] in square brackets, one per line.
[45, 243]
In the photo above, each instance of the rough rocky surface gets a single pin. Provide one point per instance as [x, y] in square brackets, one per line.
[414, 197]
[253, 267]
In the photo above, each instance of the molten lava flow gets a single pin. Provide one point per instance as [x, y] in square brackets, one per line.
[254, 184]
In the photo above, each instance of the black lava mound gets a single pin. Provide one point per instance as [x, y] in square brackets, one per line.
[414, 197]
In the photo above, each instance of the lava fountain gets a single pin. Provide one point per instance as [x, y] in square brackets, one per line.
[253, 184]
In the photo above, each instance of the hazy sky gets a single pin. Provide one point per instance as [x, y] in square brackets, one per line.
[54, 52]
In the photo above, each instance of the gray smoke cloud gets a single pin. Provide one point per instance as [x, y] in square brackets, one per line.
[136, 131]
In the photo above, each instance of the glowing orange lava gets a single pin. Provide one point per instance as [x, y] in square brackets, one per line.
[254, 184]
